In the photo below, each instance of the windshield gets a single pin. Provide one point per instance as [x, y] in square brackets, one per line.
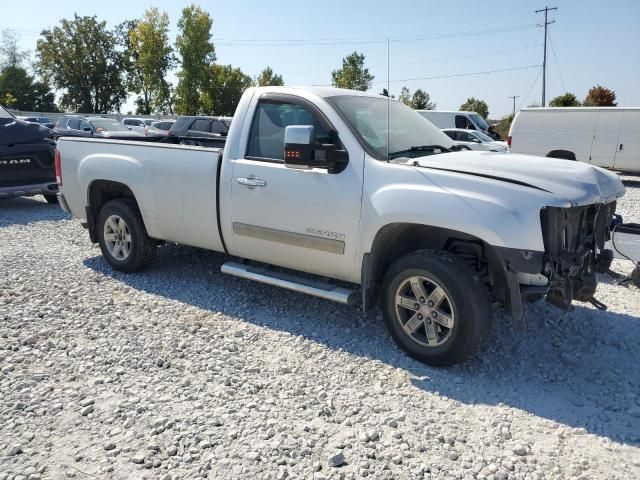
[482, 136]
[481, 122]
[109, 125]
[367, 119]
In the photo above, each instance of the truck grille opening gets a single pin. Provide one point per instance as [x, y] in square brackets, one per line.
[574, 240]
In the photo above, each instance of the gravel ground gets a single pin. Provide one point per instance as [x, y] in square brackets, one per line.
[180, 372]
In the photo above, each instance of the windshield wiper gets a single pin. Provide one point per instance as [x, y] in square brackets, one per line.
[417, 149]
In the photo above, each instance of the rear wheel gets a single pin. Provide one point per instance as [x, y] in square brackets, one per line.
[53, 199]
[122, 236]
[436, 308]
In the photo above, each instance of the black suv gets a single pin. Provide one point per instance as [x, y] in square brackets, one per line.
[201, 130]
[26, 159]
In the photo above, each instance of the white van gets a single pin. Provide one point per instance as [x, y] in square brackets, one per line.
[604, 136]
[466, 120]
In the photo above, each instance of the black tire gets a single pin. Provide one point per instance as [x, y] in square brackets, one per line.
[635, 276]
[142, 248]
[467, 297]
[562, 155]
[52, 199]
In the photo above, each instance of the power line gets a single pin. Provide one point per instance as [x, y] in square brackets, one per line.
[254, 42]
[546, 11]
[527, 56]
[524, 99]
[564, 88]
[437, 77]
[438, 60]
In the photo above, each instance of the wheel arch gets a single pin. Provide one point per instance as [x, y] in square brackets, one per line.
[396, 240]
[562, 154]
[99, 193]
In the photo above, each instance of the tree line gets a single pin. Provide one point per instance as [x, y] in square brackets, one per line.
[95, 69]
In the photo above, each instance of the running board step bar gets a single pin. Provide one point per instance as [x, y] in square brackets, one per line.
[291, 282]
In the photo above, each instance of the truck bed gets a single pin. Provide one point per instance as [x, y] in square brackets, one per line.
[176, 184]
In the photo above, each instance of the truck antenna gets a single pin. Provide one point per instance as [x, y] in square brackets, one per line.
[388, 98]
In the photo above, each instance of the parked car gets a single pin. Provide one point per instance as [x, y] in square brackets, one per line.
[26, 159]
[46, 121]
[138, 124]
[360, 189]
[604, 136]
[475, 140]
[80, 126]
[159, 128]
[201, 130]
[464, 120]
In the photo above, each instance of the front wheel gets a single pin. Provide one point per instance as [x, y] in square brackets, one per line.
[123, 237]
[435, 307]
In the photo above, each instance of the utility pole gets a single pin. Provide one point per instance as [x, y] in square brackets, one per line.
[514, 103]
[546, 10]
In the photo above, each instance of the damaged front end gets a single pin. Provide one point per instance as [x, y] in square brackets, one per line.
[574, 241]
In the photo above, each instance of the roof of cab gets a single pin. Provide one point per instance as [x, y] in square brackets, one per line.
[323, 92]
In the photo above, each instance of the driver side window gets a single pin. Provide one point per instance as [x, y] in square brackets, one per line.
[266, 139]
[466, 137]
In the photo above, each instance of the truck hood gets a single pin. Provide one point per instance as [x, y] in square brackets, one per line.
[579, 183]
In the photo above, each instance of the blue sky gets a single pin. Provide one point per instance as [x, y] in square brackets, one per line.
[595, 42]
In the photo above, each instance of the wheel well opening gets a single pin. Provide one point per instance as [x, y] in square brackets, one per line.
[103, 191]
[397, 240]
[100, 193]
[562, 154]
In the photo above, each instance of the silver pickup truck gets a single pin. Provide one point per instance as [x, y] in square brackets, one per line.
[353, 197]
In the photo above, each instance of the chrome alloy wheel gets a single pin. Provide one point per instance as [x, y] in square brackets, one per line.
[117, 237]
[424, 311]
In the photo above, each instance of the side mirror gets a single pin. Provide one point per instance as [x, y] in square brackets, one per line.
[301, 151]
[476, 140]
[298, 146]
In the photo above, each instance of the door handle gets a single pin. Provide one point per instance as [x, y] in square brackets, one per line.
[251, 182]
[620, 147]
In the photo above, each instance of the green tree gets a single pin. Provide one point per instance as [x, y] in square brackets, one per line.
[16, 84]
[353, 74]
[223, 90]
[268, 78]
[150, 58]
[420, 100]
[476, 105]
[405, 96]
[600, 96]
[82, 59]
[565, 100]
[10, 53]
[197, 53]
[8, 100]
[27, 93]
[504, 125]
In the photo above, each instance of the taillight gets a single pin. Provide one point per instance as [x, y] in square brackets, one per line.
[58, 168]
[509, 141]
[146, 131]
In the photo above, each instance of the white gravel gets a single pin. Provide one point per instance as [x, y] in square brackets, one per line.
[181, 372]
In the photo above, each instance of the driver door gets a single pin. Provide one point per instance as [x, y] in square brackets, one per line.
[307, 220]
